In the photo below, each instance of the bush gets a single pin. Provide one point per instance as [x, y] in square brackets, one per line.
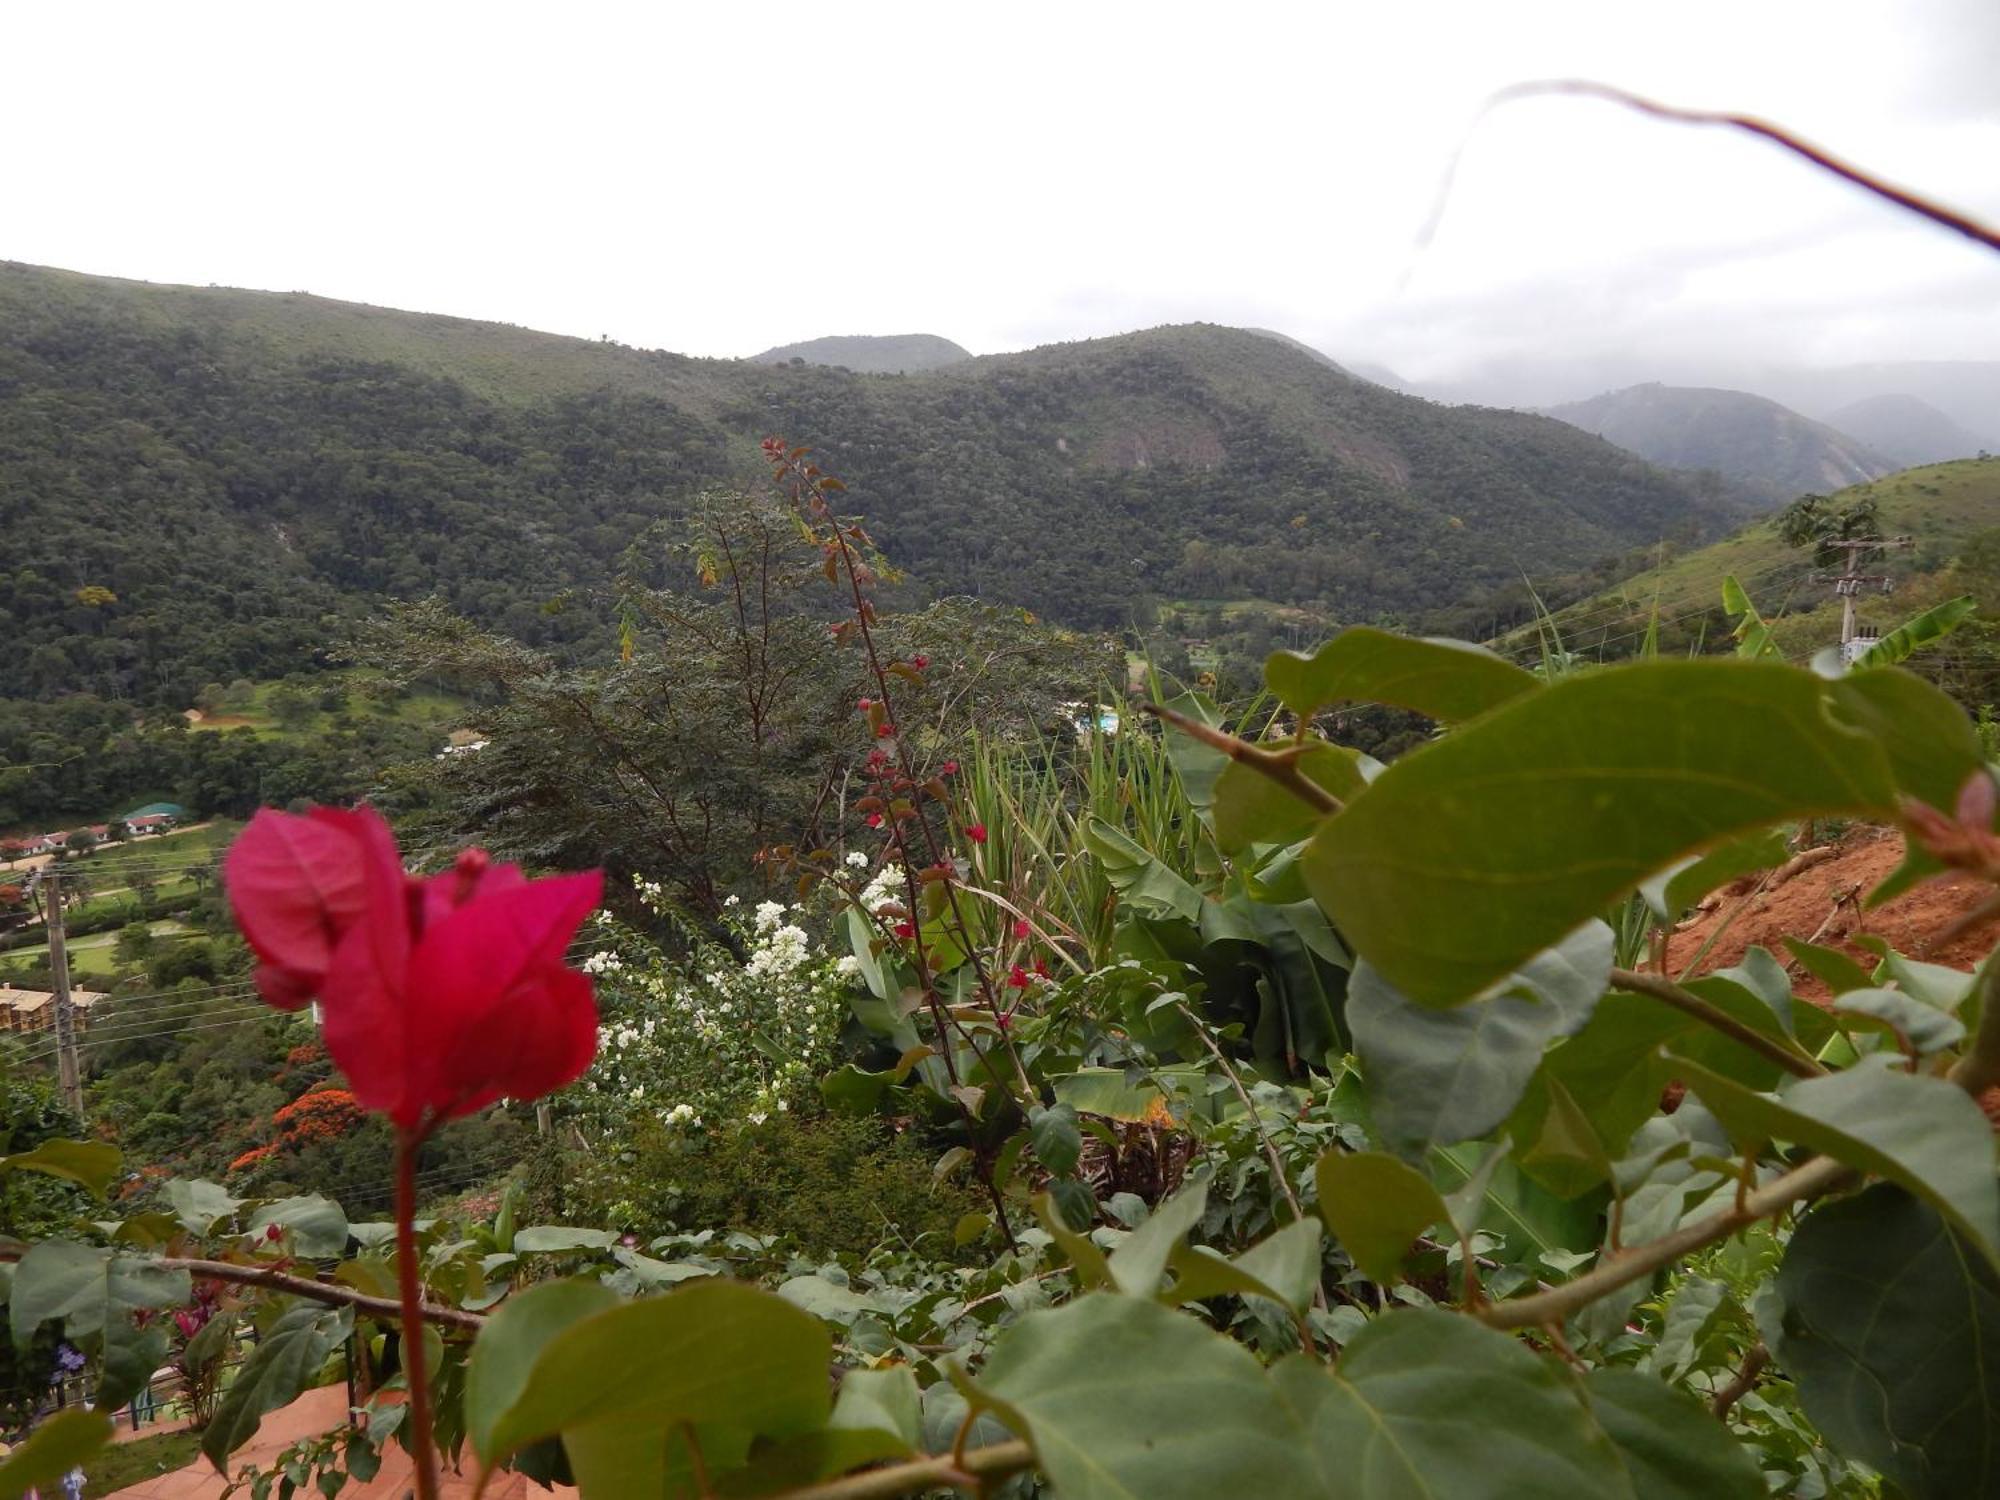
[830, 1184]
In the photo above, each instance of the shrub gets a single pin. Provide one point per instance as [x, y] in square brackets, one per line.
[830, 1184]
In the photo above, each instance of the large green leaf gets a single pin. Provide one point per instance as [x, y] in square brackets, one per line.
[1919, 631]
[1528, 1218]
[1138, 1263]
[1125, 1400]
[1142, 882]
[513, 1338]
[1670, 1447]
[285, 1362]
[95, 1293]
[1475, 852]
[1251, 808]
[712, 1352]
[1671, 892]
[1376, 1207]
[1429, 1405]
[1913, 1129]
[1891, 1328]
[1434, 1077]
[55, 1447]
[317, 1226]
[91, 1163]
[1441, 679]
[199, 1204]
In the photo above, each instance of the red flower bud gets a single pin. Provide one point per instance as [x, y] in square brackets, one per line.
[439, 996]
[874, 820]
[1017, 978]
[976, 832]
[906, 930]
[1022, 930]
[920, 662]
[949, 768]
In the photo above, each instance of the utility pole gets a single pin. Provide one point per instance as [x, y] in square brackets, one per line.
[1848, 585]
[67, 1071]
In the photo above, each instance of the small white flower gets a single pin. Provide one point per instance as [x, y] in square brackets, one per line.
[847, 966]
[769, 915]
[856, 860]
[733, 901]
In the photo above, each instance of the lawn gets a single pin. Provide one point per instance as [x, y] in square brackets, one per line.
[258, 712]
[123, 1464]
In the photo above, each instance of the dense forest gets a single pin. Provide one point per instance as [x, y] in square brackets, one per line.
[204, 485]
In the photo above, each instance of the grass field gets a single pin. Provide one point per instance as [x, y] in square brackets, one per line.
[437, 710]
[94, 955]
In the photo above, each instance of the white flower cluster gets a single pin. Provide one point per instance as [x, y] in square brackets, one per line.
[714, 1038]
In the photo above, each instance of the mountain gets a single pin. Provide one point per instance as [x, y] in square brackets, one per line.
[1907, 429]
[871, 354]
[1740, 436]
[201, 484]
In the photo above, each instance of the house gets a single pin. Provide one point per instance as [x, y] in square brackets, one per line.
[25, 1011]
[138, 825]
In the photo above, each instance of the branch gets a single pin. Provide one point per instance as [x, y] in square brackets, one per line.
[971, 1469]
[1280, 766]
[320, 1291]
[1787, 1056]
[1744, 1383]
[1903, 198]
[1820, 1175]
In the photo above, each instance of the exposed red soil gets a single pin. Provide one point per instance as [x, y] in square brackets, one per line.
[1828, 899]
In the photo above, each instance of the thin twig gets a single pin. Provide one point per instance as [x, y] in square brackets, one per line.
[1820, 1175]
[976, 1467]
[1787, 1056]
[1744, 1383]
[1249, 1108]
[1912, 202]
[385, 1308]
[1280, 766]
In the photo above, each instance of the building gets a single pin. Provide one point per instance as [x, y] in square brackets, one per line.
[24, 1012]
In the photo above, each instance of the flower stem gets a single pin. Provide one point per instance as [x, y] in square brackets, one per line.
[423, 1446]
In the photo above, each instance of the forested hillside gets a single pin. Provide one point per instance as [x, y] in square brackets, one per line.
[205, 484]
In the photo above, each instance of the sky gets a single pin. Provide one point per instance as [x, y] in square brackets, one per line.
[719, 178]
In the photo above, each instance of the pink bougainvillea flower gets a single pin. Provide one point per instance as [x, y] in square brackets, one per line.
[298, 884]
[976, 832]
[439, 996]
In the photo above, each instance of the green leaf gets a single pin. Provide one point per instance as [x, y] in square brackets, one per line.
[201, 1205]
[1916, 1130]
[1143, 883]
[95, 1292]
[1528, 821]
[1441, 679]
[1125, 1400]
[552, 1239]
[1429, 1405]
[1831, 967]
[1376, 1207]
[1086, 1258]
[1251, 808]
[317, 1226]
[1671, 1449]
[1138, 1264]
[711, 1352]
[56, 1446]
[1434, 1077]
[1891, 1327]
[286, 1360]
[510, 1342]
[1671, 892]
[90, 1163]
[1922, 1028]
[1283, 1266]
[1058, 1141]
[1917, 632]
[884, 1401]
[1529, 1219]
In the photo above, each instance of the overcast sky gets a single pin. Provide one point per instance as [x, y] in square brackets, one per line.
[717, 178]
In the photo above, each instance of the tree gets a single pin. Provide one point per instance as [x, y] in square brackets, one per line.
[1815, 521]
[135, 943]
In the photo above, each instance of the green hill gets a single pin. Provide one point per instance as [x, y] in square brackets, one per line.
[1938, 506]
[203, 484]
